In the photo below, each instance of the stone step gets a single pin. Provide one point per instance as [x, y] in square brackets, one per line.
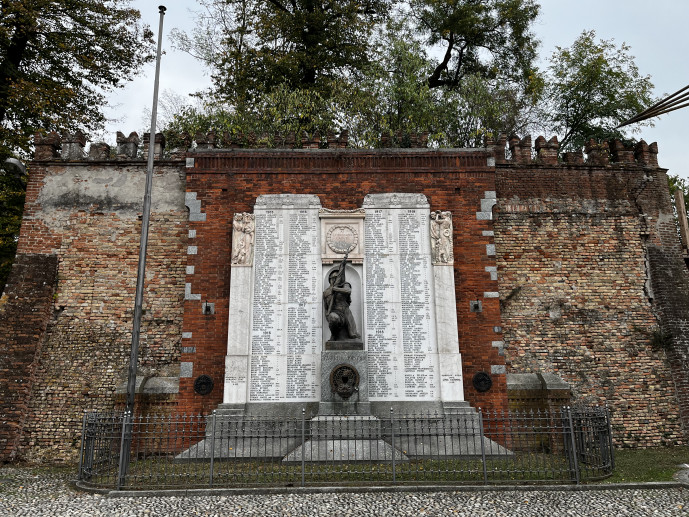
[345, 451]
[344, 427]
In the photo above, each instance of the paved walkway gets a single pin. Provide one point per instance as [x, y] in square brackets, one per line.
[23, 493]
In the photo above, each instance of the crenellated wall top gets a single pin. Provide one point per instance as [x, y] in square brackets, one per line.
[516, 151]
[512, 150]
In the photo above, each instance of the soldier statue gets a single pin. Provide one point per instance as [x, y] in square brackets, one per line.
[337, 298]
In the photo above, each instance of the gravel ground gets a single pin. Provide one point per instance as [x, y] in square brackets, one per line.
[35, 493]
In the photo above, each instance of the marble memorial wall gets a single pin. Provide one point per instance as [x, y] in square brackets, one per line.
[283, 332]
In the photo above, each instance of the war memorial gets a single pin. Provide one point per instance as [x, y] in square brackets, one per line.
[309, 278]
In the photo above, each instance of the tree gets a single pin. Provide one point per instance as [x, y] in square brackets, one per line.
[12, 194]
[57, 60]
[675, 183]
[254, 46]
[591, 88]
[279, 111]
[488, 38]
[395, 96]
[391, 94]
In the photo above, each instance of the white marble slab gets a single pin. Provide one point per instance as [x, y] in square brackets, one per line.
[239, 323]
[286, 324]
[236, 379]
[399, 300]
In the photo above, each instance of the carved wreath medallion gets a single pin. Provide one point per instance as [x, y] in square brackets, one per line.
[342, 238]
[344, 380]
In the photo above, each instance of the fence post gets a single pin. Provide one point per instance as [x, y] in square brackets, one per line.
[610, 444]
[81, 447]
[210, 480]
[124, 454]
[575, 459]
[392, 442]
[483, 447]
[303, 444]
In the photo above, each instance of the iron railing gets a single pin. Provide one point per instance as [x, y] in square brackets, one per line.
[567, 445]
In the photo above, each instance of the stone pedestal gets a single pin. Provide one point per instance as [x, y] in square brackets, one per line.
[350, 344]
[333, 403]
[342, 439]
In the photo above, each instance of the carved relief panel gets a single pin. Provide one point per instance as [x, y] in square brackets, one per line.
[342, 231]
[441, 238]
[243, 226]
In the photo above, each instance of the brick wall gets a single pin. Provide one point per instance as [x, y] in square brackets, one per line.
[669, 283]
[87, 218]
[576, 294]
[586, 255]
[25, 308]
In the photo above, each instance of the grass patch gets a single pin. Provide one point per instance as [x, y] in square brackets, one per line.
[522, 467]
[644, 465]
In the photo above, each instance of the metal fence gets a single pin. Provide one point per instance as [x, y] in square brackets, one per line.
[569, 445]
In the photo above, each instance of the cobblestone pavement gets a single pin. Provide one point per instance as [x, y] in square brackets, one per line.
[28, 492]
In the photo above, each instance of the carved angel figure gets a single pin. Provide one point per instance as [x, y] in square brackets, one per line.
[243, 226]
[441, 237]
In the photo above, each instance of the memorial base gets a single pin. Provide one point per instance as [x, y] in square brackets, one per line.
[231, 410]
[346, 438]
[345, 451]
[331, 402]
[457, 408]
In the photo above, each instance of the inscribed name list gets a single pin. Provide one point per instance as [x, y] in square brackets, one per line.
[286, 326]
[400, 319]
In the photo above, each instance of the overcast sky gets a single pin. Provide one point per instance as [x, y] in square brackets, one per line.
[656, 32]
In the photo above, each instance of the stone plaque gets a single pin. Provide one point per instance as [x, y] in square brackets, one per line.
[402, 300]
[286, 310]
[399, 299]
[343, 232]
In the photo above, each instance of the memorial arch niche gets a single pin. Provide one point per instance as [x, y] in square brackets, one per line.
[398, 283]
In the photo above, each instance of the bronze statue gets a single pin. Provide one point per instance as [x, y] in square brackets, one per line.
[337, 298]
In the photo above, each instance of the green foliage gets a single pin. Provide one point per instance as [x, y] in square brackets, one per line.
[254, 46]
[57, 61]
[307, 64]
[591, 88]
[481, 108]
[279, 111]
[276, 68]
[488, 38]
[392, 94]
[12, 194]
[676, 182]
